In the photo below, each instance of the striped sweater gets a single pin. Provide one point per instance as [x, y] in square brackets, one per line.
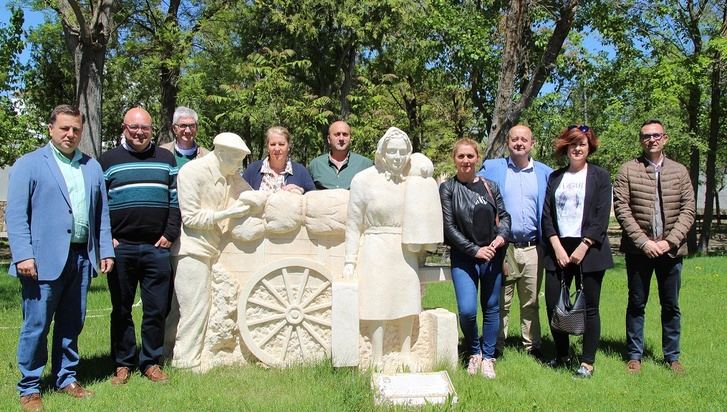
[142, 193]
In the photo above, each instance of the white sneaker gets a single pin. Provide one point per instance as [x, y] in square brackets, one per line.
[488, 368]
[473, 367]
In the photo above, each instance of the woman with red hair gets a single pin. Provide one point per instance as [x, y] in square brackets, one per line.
[575, 221]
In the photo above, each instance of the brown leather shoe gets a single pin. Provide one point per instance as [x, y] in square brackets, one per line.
[77, 391]
[634, 366]
[121, 376]
[155, 374]
[677, 367]
[31, 403]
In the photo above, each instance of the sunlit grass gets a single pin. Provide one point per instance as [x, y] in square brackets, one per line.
[521, 384]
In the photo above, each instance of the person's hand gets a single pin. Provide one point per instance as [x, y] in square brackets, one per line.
[348, 271]
[578, 254]
[26, 268]
[237, 210]
[651, 249]
[163, 243]
[486, 253]
[107, 265]
[293, 188]
[497, 242]
[114, 242]
[663, 246]
[561, 258]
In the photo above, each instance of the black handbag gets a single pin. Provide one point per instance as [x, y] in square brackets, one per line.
[570, 317]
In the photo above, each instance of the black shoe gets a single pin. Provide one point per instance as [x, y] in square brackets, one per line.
[537, 354]
[559, 362]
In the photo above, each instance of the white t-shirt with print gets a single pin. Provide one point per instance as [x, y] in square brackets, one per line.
[569, 199]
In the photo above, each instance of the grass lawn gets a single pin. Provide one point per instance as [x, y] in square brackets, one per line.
[521, 384]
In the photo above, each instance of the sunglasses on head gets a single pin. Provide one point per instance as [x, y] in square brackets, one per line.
[583, 128]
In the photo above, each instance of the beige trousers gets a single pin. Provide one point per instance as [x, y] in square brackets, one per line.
[526, 274]
[192, 296]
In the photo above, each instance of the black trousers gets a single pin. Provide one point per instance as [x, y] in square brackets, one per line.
[150, 268]
[592, 289]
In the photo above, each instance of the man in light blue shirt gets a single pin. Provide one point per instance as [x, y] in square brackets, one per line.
[522, 182]
[60, 236]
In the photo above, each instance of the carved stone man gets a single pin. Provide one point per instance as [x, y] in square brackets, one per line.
[207, 201]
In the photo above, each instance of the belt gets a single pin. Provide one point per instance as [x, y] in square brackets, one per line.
[521, 245]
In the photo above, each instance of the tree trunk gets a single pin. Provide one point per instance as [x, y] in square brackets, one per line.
[507, 111]
[693, 127]
[89, 63]
[348, 72]
[86, 39]
[714, 123]
[711, 157]
[168, 77]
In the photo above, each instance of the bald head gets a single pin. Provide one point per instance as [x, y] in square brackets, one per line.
[137, 129]
[519, 142]
[339, 139]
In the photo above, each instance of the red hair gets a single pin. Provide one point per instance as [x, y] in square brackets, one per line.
[572, 134]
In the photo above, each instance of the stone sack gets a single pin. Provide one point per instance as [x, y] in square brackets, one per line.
[284, 212]
[326, 211]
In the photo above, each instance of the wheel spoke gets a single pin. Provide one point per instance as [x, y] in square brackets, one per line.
[318, 320]
[274, 292]
[300, 343]
[288, 291]
[303, 283]
[286, 341]
[318, 307]
[266, 319]
[272, 333]
[315, 335]
[315, 294]
[265, 304]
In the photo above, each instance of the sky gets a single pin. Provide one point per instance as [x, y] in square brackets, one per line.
[32, 18]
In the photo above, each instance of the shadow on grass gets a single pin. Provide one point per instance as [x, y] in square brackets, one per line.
[95, 369]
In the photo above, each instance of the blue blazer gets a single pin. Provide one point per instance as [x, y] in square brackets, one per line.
[39, 215]
[300, 176]
[496, 170]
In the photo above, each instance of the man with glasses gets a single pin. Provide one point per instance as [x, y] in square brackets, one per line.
[654, 203]
[184, 127]
[335, 169]
[145, 221]
[522, 181]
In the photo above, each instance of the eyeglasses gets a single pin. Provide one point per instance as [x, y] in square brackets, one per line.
[652, 136]
[135, 127]
[583, 128]
[190, 126]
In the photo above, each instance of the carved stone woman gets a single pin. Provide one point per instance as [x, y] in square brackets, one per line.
[386, 269]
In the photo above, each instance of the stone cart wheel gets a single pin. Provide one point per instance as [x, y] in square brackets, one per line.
[284, 312]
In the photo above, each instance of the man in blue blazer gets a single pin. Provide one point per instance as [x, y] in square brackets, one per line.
[522, 182]
[60, 236]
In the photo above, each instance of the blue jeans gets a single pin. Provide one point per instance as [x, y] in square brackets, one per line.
[469, 274]
[149, 267]
[65, 300]
[639, 269]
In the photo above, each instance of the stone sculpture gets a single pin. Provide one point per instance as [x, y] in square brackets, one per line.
[386, 268]
[270, 277]
[205, 199]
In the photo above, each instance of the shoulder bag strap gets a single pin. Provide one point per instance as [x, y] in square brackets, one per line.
[494, 202]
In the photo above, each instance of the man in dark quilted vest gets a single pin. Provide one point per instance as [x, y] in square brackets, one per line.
[654, 203]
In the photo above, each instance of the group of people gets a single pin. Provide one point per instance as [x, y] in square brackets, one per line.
[516, 217]
[123, 219]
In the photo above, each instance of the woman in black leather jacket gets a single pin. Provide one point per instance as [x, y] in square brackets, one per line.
[476, 226]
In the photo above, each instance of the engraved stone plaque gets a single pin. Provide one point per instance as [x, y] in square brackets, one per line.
[413, 388]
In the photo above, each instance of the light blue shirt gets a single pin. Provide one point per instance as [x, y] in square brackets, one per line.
[520, 194]
[72, 174]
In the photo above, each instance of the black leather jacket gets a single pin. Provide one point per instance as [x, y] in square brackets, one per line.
[458, 204]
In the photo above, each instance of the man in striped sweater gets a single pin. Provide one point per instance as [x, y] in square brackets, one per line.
[145, 221]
